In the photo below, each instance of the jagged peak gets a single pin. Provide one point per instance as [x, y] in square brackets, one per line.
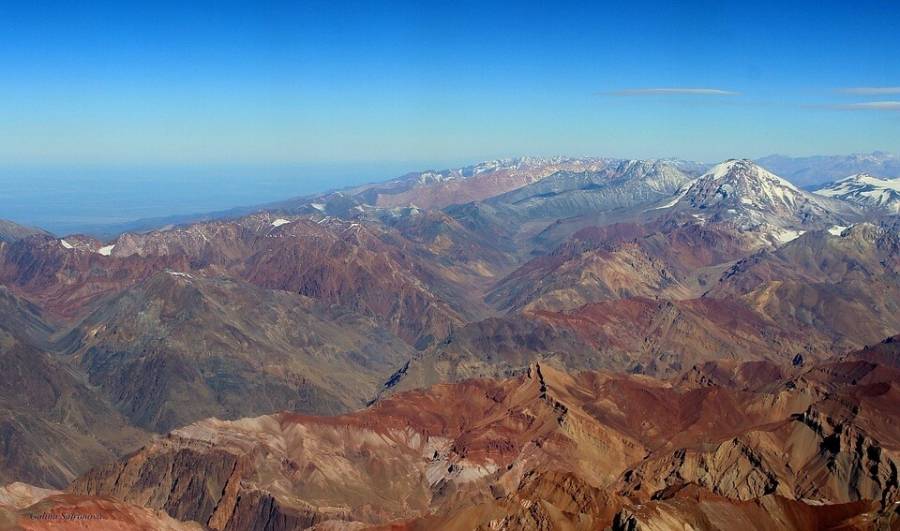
[744, 168]
[742, 184]
[862, 231]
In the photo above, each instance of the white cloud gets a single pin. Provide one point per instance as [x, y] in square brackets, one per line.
[870, 91]
[871, 106]
[672, 91]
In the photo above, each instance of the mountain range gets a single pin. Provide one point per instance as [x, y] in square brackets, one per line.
[866, 191]
[817, 170]
[532, 343]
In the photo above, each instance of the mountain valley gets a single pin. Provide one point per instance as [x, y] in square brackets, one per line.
[529, 343]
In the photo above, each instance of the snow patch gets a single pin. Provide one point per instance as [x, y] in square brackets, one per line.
[279, 222]
[677, 197]
[837, 230]
[66, 244]
[106, 250]
[788, 235]
[318, 206]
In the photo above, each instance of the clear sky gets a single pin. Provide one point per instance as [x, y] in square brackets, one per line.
[258, 83]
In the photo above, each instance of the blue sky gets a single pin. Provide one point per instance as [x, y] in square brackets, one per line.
[258, 85]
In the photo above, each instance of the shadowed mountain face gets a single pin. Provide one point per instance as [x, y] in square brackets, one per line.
[52, 425]
[658, 299]
[10, 232]
[177, 348]
[413, 354]
[617, 186]
[635, 335]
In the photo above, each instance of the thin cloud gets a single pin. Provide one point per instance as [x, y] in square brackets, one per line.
[671, 92]
[869, 91]
[870, 106]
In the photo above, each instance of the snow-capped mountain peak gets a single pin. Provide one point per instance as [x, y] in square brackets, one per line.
[735, 168]
[657, 174]
[742, 192]
[741, 183]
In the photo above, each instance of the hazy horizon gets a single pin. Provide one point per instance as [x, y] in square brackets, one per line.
[87, 199]
[180, 108]
[96, 199]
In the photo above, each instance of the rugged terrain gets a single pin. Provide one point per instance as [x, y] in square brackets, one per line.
[524, 343]
[53, 425]
[549, 448]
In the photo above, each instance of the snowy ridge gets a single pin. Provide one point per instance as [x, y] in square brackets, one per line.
[818, 170]
[658, 175]
[680, 192]
[865, 190]
[520, 164]
[509, 164]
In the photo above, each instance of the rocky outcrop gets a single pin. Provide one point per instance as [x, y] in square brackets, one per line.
[846, 451]
[65, 511]
[189, 482]
[541, 450]
[696, 509]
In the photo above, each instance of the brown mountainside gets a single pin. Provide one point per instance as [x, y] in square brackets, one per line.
[587, 450]
[180, 347]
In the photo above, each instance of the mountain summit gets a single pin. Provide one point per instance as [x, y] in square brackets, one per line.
[742, 183]
[745, 192]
